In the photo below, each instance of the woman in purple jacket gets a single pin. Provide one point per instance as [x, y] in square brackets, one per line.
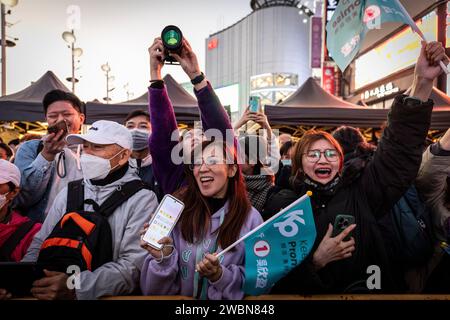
[164, 139]
[217, 213]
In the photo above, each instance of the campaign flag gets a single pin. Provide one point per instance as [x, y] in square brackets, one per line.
[353, 19]
[278, 245]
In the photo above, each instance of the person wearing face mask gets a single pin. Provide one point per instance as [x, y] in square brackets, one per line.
[283, 175]
[105, 166]
[48, 165]
[138, 122]
[339, 263]
[16, 231]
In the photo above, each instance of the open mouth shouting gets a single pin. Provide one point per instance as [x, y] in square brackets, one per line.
[323, 173]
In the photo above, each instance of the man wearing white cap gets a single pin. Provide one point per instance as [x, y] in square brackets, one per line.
[16, 231]
[104, 162]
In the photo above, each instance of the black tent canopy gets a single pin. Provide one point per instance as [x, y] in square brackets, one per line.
[185, 106]
[26, 105]
[312, 106]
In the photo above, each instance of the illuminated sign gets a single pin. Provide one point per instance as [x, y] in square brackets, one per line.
[380, 91]
[447, 27]
[212, 44]
[395, 54]
[328, 80]
[316, 42]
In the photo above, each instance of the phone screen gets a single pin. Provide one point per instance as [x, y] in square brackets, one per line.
[163, 220]
[254, 104]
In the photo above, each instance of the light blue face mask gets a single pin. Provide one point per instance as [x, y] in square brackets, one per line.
[286, 162]
[140, 139]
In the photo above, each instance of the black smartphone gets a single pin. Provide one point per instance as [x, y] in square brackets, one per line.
[57, 127]
[341, 222]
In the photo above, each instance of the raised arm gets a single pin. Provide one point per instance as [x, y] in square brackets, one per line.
[213, 114]
[36, 172]
[398, 157]
[164, 125]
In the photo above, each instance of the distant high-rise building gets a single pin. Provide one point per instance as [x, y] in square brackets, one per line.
[266, 54]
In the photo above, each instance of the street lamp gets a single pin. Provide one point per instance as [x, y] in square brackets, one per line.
[5, 43]
[109, 79]
[69, 37]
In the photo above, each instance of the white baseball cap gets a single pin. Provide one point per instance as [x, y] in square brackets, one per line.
[104, 132]
[9, 173]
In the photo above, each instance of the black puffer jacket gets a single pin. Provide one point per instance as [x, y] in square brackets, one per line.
[366, 190]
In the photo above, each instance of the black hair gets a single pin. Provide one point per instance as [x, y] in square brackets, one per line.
[246, 142]
[348, 137]
[15, 142]
[60, 95]
[285, 148]
[137, 113]
[11, 186]
[8, 150]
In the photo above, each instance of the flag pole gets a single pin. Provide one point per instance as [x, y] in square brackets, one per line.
[231, 246]
[416, 29]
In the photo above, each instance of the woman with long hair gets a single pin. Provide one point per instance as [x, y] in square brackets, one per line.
[217, 213]
[346, 261]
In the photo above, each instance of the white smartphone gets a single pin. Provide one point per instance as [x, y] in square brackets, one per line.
[163, 220]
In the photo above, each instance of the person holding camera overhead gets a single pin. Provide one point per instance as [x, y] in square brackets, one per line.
[346, 203]
[162, 116]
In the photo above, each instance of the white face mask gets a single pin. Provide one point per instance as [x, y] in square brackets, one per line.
[3, 200]
[96, 168]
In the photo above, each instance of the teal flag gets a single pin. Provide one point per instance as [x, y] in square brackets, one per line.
[353, 19]
[278, 245]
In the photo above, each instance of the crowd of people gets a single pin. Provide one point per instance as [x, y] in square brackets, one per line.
[108, 182]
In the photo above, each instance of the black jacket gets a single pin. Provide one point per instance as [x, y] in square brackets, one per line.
[366, 190]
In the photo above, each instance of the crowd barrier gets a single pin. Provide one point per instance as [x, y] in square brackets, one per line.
[355, 297]
[340, 297]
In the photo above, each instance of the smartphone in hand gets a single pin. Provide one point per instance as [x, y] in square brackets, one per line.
[341, 222]
[163, 220]
[57, 127]
[255, 104]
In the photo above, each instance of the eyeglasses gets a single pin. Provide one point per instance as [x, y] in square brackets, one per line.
[208, 162]
[329, 154]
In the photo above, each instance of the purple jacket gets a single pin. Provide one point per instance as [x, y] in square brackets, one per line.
[175, 275]
[162, 116]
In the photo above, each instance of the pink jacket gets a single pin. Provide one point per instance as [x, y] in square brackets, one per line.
[7, 229]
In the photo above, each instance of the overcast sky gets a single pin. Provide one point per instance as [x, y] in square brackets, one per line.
[110, 30]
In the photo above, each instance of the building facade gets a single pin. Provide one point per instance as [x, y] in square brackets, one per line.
[266, 54]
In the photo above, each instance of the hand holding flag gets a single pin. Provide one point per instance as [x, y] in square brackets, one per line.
[353, 19]
[277, 246]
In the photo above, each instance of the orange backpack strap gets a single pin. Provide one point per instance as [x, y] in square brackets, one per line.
[70, 243]
[83, 223]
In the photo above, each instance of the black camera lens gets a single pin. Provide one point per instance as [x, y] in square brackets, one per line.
[172, 38]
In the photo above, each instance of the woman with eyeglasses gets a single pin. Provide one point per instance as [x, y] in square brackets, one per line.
[217, 213]
[355, 260]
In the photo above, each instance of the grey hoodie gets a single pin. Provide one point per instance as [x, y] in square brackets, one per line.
[121, 276]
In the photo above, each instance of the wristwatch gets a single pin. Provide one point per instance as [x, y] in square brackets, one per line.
[412, 101]
[198, 79]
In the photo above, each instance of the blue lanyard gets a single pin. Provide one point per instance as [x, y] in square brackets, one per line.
[202, 282]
